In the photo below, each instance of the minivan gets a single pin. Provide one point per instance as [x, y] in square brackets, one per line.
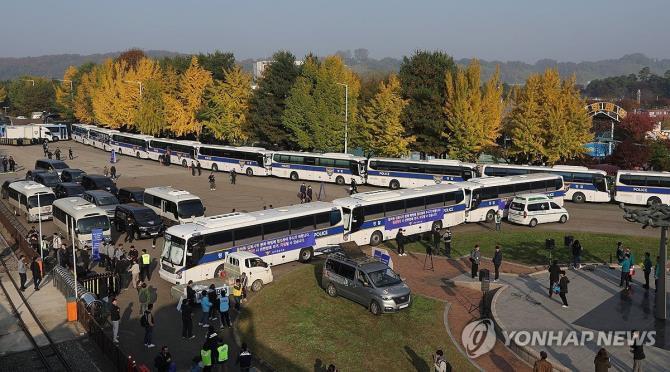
[72, 175]
[51, 165]
[366, 281]
[103, 199]
[68, 190]
[146, 222]
[531, 209]
[98, 182]
[131, 195]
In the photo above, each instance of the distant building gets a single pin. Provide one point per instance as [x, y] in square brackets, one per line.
[260, 66]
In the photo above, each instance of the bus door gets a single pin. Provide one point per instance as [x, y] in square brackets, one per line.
[357, 219]
[466, 174]
[600, 183]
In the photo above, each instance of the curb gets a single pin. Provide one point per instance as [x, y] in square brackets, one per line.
[453, 340]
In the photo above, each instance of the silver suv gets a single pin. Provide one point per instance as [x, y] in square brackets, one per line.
[367, 281]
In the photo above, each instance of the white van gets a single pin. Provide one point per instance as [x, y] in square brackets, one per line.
[173, 205]
[79, 217]
[531, 209]
[31, 199]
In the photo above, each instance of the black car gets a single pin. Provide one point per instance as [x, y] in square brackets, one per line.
[47, 179]
[51, 165]
[146, 223]
[68, 189]
[98, 182]
[72, 175]
[131, 195]
[30, 175]
[5, 186]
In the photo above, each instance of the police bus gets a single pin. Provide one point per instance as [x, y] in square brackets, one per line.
[31, 199]
[173, 205]
[487, 195]
[131, 144]
[642, 187]
[327, 167]
[80, 132]
[100, 138]
[375, 216]
[77, 217]
[197, 251]
[180, 152]
[582, 184]
[397, 173]
[252, 161]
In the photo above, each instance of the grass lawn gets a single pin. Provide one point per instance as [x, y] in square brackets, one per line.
[295, 326]
[528, 247]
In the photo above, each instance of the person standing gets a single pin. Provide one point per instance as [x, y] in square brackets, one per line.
[233, 176]
[446, 236]
[105, 171]
[436, 240]
[192, 168]
[5, 164]
[163, 360]
[244, 359]
[213, 300]
[439, 361]
[619, 252]
[70, 154]
[353, 188]
[475, 256]
[212, 182]
[148, 323]
[302, 192]
[56, 241]
[57, 153]
[625, 272]
[222, 355]
[497, 261]
[602, 361]
[115, 317]
[657, 272]
[542, 364]
[130, 230]
[186, 319]
[145, 266]
[308, 196]
[23, 277]
[197, 164]
[190, 293]
[135, 272]
[206, 357]
[112, 172]
[205, 306]
[554, 276]
[637, 349]
[37, 273]
[143, 297]
[563, 283]
[647, 266]
[400, 241]
[12, 164]
[498, 219]
[576, 254]
[237, 294]
[244, 282]
[224, 309]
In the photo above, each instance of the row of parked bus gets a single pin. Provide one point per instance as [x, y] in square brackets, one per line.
[582, 184]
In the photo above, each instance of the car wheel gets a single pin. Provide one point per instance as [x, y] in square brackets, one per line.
[563, 219]
[257, 285]
[184, 164]
[533, 223]
[375, 308]
[653, 201]
[394, 185]
[249, 172]
[215, 168]
[376, 238]
[436, 226]
[294, 176]
[306, 255]
[339, 180]
[331, 290]
[578, 197]
[490, 216]
[220, 272]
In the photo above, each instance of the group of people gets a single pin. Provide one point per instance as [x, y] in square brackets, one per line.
[56, 153]
[305, 193]
[626, 260]
[8, 164]
[232, 175]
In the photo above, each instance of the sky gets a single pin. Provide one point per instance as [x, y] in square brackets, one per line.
[523, 30]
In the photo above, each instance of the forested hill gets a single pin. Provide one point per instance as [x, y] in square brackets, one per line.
[513, 72]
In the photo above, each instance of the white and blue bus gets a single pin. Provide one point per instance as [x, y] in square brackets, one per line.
[582, 184]
[487, 195]
[327, 167]
[131, 144]
[642, 187]
[180, 152]
[252, 161]
[100, 138]
[404, 173]
[375, 216]
[80, 132]
[197, 251]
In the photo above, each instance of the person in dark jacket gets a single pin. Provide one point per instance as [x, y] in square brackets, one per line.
[244, 359]
[648, 265]
[475, 256]
[619, 252]
[37, 273]
[190, 293]
[214, 300]
[577, 254]
[186, 319]
[602, 361]
[163, 360]
[563, 283]
[638, 352]
[554, 276]
[497, 261]
[400, 241]
[115, 317]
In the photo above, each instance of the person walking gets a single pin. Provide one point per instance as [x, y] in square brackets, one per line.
[497, 261]
[400, 241]
[135, 272]
[446, 237]
[148, 323]
[224, 309]
[233, 176]
[57, 153]
[498, 219]
[353, 187]
[145, 266]
[542, 364]
[576, 254]
[37, 273]
[163, 360]
[647, 266]
[23, 277]
[308, 195]
[56, 241]
[115, 317]
[619, 252]
[602, 361]
[12, 164]
[70, 154]
[205, 306]
[197, 164]
[105, 171]
[190, 293]
[112, 172]
[186, 319]
[5, 164]
[244, 358]
[237, 294]
[475, 256]
[563, 283]
[302, 191]
[192, 166]
[130, 230]
[637, 349]
[625, 272]
[554, 276]
[212, 182]
[143, 297]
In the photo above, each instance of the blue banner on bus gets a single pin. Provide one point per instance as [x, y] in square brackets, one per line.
[413, 218]
[279, 245]
[96, 242]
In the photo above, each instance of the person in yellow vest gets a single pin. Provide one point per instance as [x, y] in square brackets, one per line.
[206, 356]
[145, 265]
[222, 356]
[237, 294]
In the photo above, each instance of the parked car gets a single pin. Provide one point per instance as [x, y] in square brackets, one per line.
[72, 175]
[367, 281]
[4, 190]
[531, 209]
[103, 199]
[98, 182]
[131, 195]
[68, 189]
[30, 175]
[146, 223]
[48, 179]
[51, 165]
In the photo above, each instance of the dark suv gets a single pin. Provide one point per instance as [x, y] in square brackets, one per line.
[68, 189]
[72, 175]
[98, 182]
[146, 223]
[131, 195]
[47, 179]
[51, 165]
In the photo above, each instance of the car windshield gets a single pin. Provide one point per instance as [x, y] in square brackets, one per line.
[384, 278]
[190, 208]
[146, 215]
[107, 200]
[49, 180]
[104, 182]
[173, 250]
[87, 224]
[138, 196]
[76, 175]
[44, 199]
[59, 165]
[516, 206]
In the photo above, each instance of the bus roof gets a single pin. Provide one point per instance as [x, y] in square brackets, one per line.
[234, 148]
[180, 142]
[104, 130]
[30, 188]
[135, 135]
[334, 155]
[78, 207]
[496, 181]
[573, 168]
[370, 197]
[169, 192]
[644, 173]
[426, 161]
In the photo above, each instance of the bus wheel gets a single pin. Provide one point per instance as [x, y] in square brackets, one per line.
[578, 197]
[184, 164]
[653, 201]
[339, 180]
[306, 255]
[490, 216]
[376, 238]
[257, 285]
[137, 155]
[331, 290]
[436, 225]
[533, 223]
[394, 185]
[215, 168]
[563, 219]
[219, 272]
[249, 172]
[294, 176]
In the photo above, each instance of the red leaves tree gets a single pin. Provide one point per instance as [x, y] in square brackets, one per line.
[633, 151]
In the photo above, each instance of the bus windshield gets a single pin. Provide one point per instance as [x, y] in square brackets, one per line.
[45, 199]
[384, 278]
[173, 250]
[87, 224]
[190, 208]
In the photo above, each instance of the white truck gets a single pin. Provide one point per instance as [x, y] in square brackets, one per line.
[258, 271]
[30, 132]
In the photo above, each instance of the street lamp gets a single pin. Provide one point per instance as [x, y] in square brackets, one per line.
[346, 115]
[135, 82]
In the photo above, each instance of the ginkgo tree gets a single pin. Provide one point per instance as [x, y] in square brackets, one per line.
[181, 108]
[226, 109]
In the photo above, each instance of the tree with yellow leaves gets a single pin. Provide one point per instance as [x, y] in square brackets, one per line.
[473, 112]
[227, 106]
[65, 92]
[82, 104]
[181, 108]
[382, 133]
[3, 94]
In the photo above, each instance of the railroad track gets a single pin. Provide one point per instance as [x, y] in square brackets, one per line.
[48, 355]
